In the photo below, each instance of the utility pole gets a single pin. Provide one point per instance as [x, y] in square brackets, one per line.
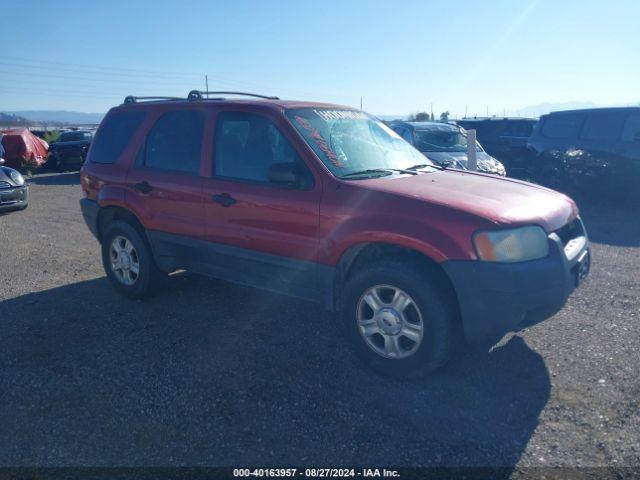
[206, 84]
[360, 103]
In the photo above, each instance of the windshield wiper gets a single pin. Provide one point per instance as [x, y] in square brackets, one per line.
[380, 170]
[435, 164]
[386, 171]
[419, 166]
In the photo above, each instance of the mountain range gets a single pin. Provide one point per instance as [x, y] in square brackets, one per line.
[58, 116]
[80, 118]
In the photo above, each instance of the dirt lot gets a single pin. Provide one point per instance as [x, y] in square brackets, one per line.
[212, 374]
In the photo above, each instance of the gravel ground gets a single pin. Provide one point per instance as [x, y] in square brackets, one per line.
[208, 373]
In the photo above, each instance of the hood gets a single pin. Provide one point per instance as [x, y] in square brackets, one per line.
[503, 201]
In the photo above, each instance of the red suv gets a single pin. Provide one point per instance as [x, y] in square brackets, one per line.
[326, 203]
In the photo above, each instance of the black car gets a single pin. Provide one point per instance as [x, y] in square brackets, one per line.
[505, 139]
[70, 150]
[14, 192]
[596, 151]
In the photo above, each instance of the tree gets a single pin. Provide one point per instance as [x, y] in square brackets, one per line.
[421, 117]
[444, 116]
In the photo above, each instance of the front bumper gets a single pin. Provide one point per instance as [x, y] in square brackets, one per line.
[67, 158]
[496, 298]
[14, 198]
[90, 214]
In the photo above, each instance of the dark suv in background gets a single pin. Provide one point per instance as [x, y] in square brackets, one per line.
[504, 139]
[594, 151]
[70, 149]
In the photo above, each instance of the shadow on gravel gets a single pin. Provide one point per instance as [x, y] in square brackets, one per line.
[63, 178]
[611, 223]
[207, 373]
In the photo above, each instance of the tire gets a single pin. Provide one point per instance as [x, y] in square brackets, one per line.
[147, 278]
[431, 305]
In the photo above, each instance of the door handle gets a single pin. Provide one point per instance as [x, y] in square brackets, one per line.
[224, 199]
[143, 187]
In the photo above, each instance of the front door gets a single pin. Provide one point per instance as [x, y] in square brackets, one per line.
[261, 233]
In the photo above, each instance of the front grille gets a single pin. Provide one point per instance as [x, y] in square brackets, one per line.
[570, 231]
[5, 185]
[573, 237]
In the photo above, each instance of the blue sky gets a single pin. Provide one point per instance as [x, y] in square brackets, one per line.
[401, 57]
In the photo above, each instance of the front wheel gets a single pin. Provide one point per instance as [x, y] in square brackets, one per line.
[128, 260]
[399, 318]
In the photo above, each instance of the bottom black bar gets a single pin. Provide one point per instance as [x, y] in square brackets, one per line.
[440, 473]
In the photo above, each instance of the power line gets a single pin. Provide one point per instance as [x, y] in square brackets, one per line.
[158, 77]
[99, 67]
[61, 94]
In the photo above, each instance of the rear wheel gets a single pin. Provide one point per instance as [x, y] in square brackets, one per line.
[128, 260]
[399, 319]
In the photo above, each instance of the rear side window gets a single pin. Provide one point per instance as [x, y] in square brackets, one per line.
[563, 126]
[114, 134]
[175, 141]
[518, 129]
[631, 129]
[603, 126]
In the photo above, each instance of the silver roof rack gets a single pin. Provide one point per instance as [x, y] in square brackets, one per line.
[131, 99]
[203, 95]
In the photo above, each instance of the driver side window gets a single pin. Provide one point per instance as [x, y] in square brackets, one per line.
[247, 145]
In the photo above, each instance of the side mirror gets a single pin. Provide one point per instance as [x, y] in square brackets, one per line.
[287, 174]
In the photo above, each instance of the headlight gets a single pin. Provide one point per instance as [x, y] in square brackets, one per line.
[513, 245]
[16, 177]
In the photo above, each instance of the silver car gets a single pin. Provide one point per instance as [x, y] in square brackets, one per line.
[446, 144]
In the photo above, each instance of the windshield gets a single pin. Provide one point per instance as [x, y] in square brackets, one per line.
[441, 140]
[75, 136]
[349, 141]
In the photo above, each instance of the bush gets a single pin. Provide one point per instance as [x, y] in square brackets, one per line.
[51, 136]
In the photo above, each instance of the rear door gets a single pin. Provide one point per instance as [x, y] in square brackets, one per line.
[628, 149]
[165, 186]
[560, 159]
[261, 233]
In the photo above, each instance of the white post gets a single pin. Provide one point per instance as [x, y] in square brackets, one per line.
[472, 161]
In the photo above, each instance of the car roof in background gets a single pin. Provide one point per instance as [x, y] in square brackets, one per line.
[594, 110]
[496, 119]
[428, 125]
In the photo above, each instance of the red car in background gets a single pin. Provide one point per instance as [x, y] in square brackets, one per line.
[23, 149]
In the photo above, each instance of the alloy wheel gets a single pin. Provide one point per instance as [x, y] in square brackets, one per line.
[390, 321]
[125, 262]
